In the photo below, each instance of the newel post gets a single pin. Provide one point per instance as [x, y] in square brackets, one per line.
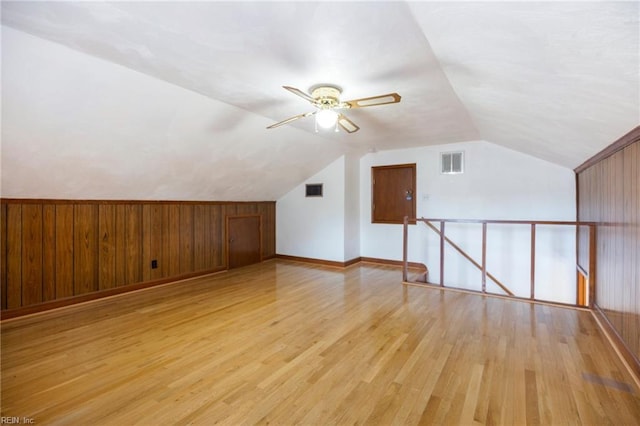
[405, 237]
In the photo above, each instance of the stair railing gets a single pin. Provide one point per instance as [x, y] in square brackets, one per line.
[585, 262]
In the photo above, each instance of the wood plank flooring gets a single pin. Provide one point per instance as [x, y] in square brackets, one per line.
[287, 343]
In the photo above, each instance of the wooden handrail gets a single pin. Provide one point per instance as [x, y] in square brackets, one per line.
[507, 222]
[466, 256]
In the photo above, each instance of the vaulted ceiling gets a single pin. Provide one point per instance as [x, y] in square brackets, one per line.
[171, 100]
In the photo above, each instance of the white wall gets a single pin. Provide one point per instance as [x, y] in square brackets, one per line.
[352, 207]
[314, 226]
[498, 183]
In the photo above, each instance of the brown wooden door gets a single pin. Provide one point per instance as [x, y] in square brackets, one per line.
[243, 240]
[393, 193]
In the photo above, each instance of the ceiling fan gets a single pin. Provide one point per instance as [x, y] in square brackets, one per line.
[326, 98]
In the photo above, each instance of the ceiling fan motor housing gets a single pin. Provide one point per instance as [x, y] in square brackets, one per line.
[326, 97]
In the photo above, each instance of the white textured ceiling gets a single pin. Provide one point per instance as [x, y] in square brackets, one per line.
[170, 100]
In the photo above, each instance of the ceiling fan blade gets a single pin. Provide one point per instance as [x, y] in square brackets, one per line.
[346, 124]
[390, 98]
[300, 93]
[290, 119]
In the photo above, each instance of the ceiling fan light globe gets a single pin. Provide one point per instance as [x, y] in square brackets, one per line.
[326, 118]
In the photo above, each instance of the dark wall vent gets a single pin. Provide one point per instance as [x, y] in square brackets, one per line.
[314, 190]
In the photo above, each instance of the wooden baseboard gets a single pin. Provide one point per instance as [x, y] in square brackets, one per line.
[626, 355]
[324, 262]
[73, 300]
[352, 261]
[337, 264]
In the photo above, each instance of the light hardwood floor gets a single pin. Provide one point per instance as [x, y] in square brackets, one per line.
[287, 343]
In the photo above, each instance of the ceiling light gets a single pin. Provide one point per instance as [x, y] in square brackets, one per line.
[326, 118]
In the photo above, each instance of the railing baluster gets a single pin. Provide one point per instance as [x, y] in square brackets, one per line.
[533, 261]
[405, 266]
[484, 257]
[442, 253]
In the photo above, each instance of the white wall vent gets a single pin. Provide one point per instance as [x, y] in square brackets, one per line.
[452, 163]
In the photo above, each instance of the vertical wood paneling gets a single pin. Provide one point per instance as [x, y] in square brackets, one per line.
[261, 209]
[120, 245]
[617, 217]
[269, 230]
[133, 243]
[14, 256]
[630, 291]
[217, 225]
[208, 240]
[603, 237]
[85, 248]
[610, 195]
[633, 261]
[146, 242]
[53, 249]
[635, 225]
[173, 229]
[64, 250]
[230, 210]
[247, 208]
[155, 241]
[165, 241]
[31, 254]
[227, 210]
[3, 256]
[200, 237]
[186, 239]
[107, 243]
[268, 244]
[48, 252]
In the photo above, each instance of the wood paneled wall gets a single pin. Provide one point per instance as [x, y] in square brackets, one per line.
[609, 194]
[55, 249]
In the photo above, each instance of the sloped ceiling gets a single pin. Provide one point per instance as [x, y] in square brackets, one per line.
[170, 100]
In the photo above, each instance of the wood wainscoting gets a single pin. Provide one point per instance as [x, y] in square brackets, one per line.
[609, 194]
[59, 250]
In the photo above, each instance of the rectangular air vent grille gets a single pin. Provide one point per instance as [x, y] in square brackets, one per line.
[314, 190]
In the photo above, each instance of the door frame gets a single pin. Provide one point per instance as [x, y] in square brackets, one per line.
[394, 167]
[236, 216]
